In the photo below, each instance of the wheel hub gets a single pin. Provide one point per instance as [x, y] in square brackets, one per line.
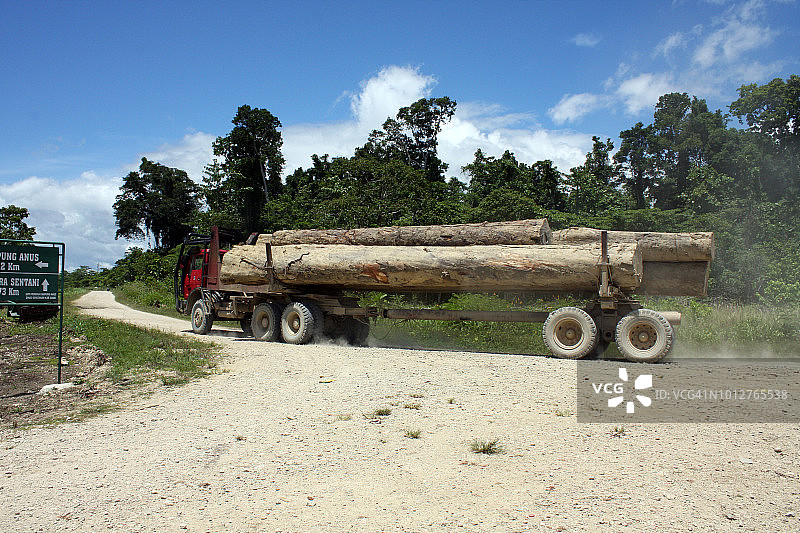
[568, 333]
[643, 336]
[294, 322]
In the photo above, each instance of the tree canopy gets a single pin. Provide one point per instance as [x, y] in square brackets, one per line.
[252, 164]
[156, 201]
[12, 224]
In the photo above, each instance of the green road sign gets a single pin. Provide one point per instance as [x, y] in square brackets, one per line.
[15, 258]
[29, 288]
[32, 275]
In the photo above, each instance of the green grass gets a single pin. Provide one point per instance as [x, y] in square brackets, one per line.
[488, 447]
[378, 413]
[731, 329]
[413, 433]
[155, 298]
[618, 431]
[137, 354]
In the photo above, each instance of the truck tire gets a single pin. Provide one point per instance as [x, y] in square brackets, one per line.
[570, 333]
[644, 336]
[266, 322]
[201, 318]
[301, 322]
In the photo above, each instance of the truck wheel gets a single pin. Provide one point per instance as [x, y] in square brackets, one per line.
[357, 331]
[201, 318]
[570, 333]
[300, 322]
[266, 322]
[644, 336]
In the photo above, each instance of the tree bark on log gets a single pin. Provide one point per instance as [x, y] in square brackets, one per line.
[534, 231]
[675, 279]
[658, 247]
[554, 268]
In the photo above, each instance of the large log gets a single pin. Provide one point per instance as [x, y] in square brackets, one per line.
[555, 268]
[661, 247]
[534, 231]
[675, 279]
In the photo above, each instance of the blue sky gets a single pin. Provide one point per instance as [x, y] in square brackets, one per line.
[88, 88]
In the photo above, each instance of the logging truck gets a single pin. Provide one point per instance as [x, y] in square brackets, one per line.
[296, 285]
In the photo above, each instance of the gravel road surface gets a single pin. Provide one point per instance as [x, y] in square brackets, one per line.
[279, 441]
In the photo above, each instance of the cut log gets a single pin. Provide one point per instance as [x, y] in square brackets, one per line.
[534, 231]
[555, 268]
[675, 279]
[661, 247]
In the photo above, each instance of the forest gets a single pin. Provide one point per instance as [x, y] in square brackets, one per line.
[734, 172]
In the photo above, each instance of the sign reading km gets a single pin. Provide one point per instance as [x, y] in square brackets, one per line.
[29, 274]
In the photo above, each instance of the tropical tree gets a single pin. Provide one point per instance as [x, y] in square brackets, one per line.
[686, 135]
[156, 201]
[540, 182]
[772, 113]
[412, 136]
[12, 224]
[252, 163]
[591, 186]
[637, 163]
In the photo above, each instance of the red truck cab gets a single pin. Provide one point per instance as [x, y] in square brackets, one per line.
[195, 271]
[197, 267]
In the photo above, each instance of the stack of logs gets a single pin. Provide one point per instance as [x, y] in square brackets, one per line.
[521, 255]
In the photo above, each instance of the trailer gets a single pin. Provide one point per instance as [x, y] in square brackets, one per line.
[270, 309]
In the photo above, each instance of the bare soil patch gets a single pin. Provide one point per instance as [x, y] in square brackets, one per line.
[28, 362]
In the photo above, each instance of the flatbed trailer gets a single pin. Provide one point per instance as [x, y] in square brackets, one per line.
[274, 311]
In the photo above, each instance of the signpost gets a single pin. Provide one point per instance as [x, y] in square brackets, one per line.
[32, 274]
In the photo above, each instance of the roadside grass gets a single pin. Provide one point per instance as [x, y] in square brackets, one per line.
[487, 447]
[142, 355]
[132, 360]
[156, 298]
[378, 413]
[137, 354]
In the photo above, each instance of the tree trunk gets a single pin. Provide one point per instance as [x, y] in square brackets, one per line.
[675, 279]
[661, 247]
[535, 231]
[555, 268]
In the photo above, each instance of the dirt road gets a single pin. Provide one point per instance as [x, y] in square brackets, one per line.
[279, 441]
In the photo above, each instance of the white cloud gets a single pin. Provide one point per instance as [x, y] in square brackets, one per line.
[191, 154]
[571, 107]
[476, 125]
[666, 46]
[643, 91]
[585, 39]
[77, 212]
[714, 58]
[460, 139]
[382, 95]
[739, 31]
